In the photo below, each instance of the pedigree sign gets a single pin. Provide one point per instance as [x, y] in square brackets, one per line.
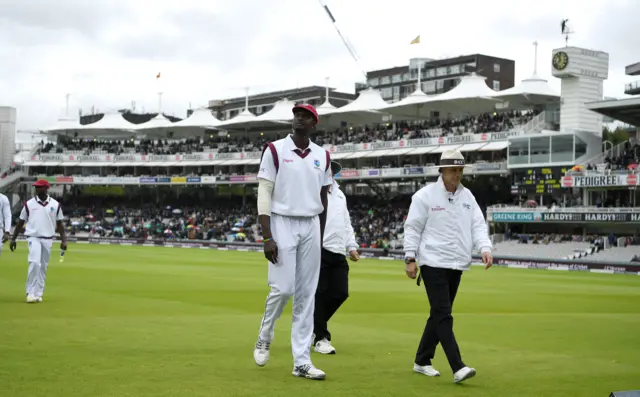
[596, 180]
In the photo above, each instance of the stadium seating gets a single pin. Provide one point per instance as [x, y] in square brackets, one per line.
[561, 250]
[617, 254]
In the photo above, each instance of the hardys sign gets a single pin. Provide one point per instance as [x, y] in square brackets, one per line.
[592, 217]
[599, 180]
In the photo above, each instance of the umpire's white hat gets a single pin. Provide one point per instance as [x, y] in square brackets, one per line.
[451, 158]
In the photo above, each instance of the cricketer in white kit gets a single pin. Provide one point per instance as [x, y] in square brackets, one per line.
[42, 216]
[333, 285]
[5, 219]
[294, 178]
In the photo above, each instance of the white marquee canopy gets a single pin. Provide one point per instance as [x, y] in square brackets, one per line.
[470, 96]
[531, 91]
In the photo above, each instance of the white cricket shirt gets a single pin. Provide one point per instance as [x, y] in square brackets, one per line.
[41, 216]
[5, 214]
[298, 177]
[442, 229]
[338, 232]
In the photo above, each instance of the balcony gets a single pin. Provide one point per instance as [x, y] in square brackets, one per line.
[632, 88]
[633, 70]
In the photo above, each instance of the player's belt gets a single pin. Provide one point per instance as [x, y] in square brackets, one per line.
[46, 238]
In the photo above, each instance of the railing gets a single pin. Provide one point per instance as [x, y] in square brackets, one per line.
[536, 124]
[632, 88]
[9, 179]
[613, 152]
[188, 179]
[512, 208]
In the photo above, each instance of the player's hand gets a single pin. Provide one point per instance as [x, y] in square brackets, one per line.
[487, 259]
[354, 255]
[63, 245]
[411, 268]
[271, 251]
[5, 237]
[13, 245]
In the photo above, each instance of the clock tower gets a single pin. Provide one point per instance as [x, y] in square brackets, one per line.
[582, 73]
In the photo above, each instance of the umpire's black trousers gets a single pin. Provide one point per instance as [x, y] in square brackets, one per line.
[332, 291]
[442, 286]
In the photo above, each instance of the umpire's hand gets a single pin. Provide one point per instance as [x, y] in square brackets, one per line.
[487, 259]
[354, 255]
[411, 268]
[12, 245]
[271, 250]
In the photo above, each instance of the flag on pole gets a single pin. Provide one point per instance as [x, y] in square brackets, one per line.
[158, 75]
[416, 40]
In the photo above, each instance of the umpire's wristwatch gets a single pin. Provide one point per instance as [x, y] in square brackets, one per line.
[409, 260]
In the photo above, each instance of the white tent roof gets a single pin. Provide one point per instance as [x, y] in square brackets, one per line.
[414, 106]
[325, 108]
[364, 109]
[157, 122]
[200, 118]
[368, 100]
[281, 111]
[472, 86]
[110, 122]
[534, 90]
[63, 125]
[470, 96]
[243, 120]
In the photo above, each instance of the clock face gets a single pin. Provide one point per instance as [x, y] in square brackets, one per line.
[560, 60]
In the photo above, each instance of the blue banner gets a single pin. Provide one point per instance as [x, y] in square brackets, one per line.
[148, 180]
[413, 170]
[193, 179]
[517, 217]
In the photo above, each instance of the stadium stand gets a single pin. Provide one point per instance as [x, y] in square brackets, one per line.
[230, 144]
[545, 246]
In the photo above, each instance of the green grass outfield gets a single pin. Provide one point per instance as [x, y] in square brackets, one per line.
[147, 321]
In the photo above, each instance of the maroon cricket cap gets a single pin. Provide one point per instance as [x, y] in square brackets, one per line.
[308, 108]
[42, 183]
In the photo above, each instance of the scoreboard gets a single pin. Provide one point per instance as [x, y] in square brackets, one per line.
[539, 180]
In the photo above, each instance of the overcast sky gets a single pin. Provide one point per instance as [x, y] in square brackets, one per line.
[106, 53]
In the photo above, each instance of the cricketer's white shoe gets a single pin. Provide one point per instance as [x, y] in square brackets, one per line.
[464, 374]
[32, 299]
[324, 346]
[308, 371]
[261, 353]
[426, 370]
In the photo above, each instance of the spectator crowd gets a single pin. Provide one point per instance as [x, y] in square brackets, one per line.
[237, 142]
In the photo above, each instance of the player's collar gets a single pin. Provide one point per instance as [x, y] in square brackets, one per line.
[42, 203]
[292, 146]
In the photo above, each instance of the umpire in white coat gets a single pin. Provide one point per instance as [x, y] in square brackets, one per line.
[333, 285]
[443, 227]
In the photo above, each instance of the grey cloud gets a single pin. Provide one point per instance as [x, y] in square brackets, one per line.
[203, 37]
[617, 32]
[86, 17]
[540, 28]
[298, 50]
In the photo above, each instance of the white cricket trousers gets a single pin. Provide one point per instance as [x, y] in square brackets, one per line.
[295, 274]
[39, 255]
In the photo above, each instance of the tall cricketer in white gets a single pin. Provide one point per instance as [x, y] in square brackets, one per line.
[43, 216]
[293, 181]
[5, 219]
